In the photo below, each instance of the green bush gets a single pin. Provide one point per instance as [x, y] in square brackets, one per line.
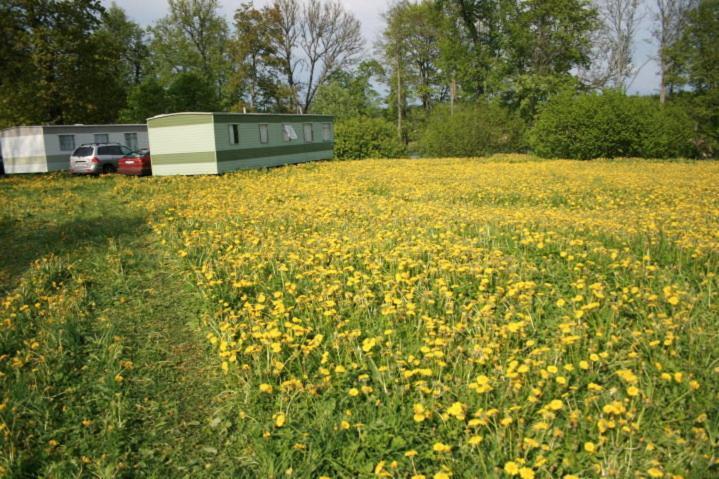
[609, 125]
[358, 138]
[472, 130]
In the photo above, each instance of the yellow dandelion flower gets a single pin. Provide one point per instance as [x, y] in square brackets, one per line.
[441, 447]
[511, 468]
[474, 440]
[420, 413]
[280, 419]
[526, 473]
[457, 410]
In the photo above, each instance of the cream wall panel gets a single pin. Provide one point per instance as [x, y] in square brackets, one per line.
[182, 139]
[23, 146]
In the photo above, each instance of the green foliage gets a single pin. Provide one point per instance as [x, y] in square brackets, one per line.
[696, 53]
[525, 94]
[410, 46]
[610, 125]
[703, 108]
[255, 81]
[192, 38]
[473, 130]
[349, 94]
[145, 100]
[358, 138]
[127, 41]
[56, 66]
[191, 91]
[490, 44]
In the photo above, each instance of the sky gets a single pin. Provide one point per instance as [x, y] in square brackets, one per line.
[369, 12]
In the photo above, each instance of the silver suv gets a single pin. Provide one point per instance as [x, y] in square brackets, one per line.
[96, 158]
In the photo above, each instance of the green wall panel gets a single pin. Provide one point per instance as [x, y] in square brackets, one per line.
[180, 158]
[249, 153]
[180, 120]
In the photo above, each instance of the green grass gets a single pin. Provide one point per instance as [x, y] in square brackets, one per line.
[118, 305]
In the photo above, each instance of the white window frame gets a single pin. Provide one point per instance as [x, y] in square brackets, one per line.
[311, 139]
[106, 135]
[233, 130]
[72, 142]
[326, 132]
[266, 128]
[288, 132]
[134, 146]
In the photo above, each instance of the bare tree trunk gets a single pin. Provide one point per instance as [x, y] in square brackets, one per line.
[662, 85]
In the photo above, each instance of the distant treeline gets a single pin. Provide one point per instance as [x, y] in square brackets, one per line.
[505, 73]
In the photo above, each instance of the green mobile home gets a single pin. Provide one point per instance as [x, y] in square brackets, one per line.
[211, 143]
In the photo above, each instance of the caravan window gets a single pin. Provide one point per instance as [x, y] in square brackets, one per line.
[326, 132]
[67, 142]
[131, 141]
[264, 135]
[234, 132]
[101, 138]
[309, 136]
[288, 133]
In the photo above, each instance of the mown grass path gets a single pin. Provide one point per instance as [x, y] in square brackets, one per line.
[167, 391]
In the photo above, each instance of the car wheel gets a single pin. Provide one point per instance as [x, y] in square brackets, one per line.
[106, 169]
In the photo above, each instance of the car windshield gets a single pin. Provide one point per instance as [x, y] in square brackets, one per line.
[83, 151]
[137, 154]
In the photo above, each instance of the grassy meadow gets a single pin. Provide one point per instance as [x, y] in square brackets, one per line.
[501, 317]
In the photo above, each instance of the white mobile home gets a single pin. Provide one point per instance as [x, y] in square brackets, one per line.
[39, 149]
[211, 143]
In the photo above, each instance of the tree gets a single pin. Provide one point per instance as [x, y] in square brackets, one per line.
[546, 41]
[313, 38]
[191, 91]
[549, 37]
[473, 41]
[695, 57]
[410, 45]
[670, 23]
[46, 64]
[255, 80]
[145, 100]
[192, 38]
[615, 42]
[697, 50]
[350, 94]
[128, 40]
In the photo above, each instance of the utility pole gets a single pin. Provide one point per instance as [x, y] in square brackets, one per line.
[399, 99]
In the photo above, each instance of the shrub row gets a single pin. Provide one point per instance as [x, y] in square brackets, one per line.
[571, 125]
[476, 130]
[609, 125]
[365, 137]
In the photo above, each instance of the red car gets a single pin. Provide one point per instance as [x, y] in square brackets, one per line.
[137, 163]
